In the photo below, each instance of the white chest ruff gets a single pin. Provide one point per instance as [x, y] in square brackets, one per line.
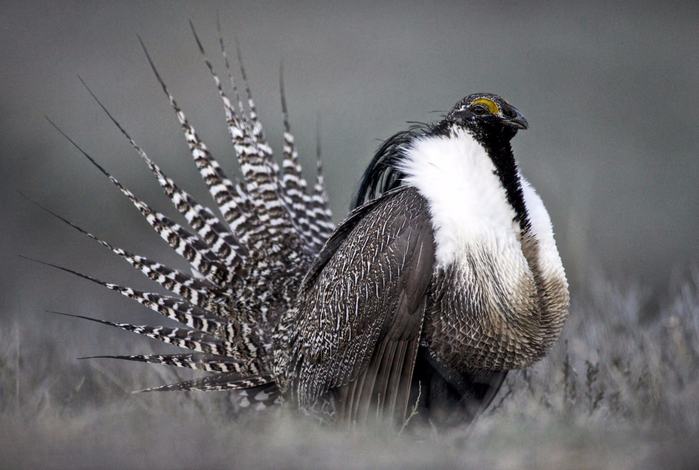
[468, 205]
[492, 290]
[469, 209]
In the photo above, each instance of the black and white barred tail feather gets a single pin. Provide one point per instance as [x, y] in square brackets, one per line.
[218, 382]
[191, 288]
[170, 307]
[247, 266]
[223, 242]
[199, 361]
[188, 338]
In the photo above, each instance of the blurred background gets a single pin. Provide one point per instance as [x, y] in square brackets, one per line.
[609, 89]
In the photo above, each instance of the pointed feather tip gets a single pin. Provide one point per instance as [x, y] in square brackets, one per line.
[196, 38]
[281, 89]
[318, 147]
[105, 357]
[56, 266]
[113, 119]
[45, 263]
[25, 196]
[92, 160]
[59, 313]
[152, 65]
[54, 312]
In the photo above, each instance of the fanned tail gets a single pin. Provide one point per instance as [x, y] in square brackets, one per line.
[247, 265]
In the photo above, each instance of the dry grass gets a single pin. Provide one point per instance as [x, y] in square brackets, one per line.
[620, 390]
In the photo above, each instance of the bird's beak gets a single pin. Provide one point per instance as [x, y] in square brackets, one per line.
[517, 121]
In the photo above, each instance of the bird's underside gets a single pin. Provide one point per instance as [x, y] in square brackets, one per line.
[408, 307]
[368, 291]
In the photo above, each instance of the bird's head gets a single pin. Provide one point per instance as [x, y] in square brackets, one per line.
[489, 119]
[485, 115]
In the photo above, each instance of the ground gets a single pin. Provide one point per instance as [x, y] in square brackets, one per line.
[618, 391]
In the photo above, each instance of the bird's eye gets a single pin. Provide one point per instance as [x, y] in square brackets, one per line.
[479, 110]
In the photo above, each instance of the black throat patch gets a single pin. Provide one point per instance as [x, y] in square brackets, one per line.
[497, 146]
[495, 139]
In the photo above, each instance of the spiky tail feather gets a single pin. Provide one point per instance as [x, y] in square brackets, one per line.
[251, 261]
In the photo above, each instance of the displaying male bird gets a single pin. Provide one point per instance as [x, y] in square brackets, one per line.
[444, 277]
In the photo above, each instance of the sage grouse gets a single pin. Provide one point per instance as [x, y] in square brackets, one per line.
[443, 277]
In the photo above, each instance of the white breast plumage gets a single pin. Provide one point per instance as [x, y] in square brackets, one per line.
[468, 204]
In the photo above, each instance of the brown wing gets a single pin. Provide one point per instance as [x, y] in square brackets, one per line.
[361, 310]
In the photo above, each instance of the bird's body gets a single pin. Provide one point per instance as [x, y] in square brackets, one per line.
[455, 263]
[444, 277]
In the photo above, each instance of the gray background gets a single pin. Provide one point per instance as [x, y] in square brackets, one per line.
[610, 92]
